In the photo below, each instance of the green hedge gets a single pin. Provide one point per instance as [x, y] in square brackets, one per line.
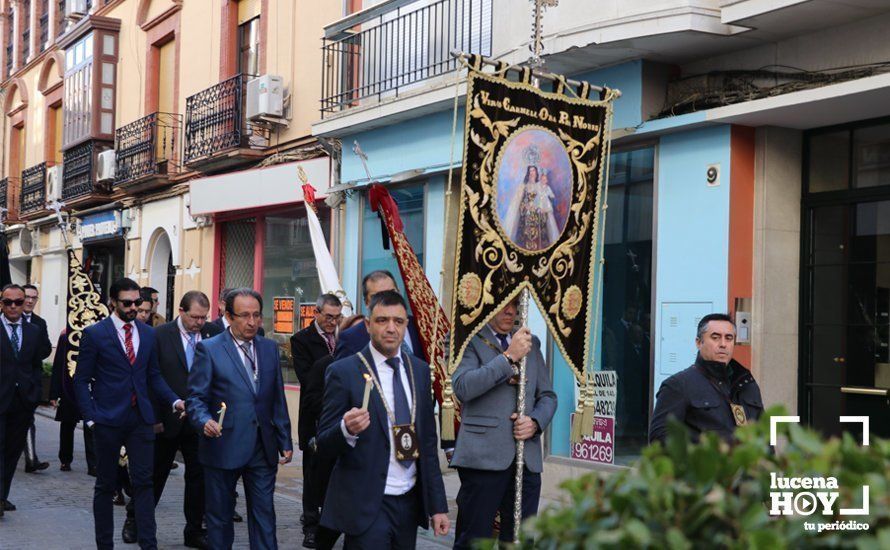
[709, 495]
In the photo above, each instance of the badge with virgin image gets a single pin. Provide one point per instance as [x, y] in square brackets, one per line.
[405, 441]
[738, 414]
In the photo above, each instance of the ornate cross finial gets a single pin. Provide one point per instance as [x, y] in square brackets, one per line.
[537, 43]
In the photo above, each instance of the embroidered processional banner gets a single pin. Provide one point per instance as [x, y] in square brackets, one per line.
[84, 307]
[530, 208]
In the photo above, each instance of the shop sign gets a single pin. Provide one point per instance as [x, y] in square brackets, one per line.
[307, 314]
[283, 314]
[101, 225]
[600, 447]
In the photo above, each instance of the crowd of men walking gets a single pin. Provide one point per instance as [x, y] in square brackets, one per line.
[213, 392]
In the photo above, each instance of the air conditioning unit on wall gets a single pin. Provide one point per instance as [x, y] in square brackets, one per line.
[265, 98]
[54, 183]
[75, 7]
[105, 168]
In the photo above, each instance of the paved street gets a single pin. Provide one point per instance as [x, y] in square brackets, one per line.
[54, 508]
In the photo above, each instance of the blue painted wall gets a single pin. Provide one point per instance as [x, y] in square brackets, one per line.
[692, 255]
[423, 142]
[627, 77]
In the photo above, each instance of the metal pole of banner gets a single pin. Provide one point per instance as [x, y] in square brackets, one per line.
[57, 207]
[535, 62]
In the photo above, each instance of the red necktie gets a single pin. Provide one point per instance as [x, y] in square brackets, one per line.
[128, 343]
[131, 354]
[329, 339]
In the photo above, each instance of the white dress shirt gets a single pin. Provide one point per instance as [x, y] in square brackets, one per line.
[399, 480]
[7, 324]
[248, 360]
[122, 335]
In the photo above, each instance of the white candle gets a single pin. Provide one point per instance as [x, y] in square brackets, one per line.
[222, 414]
[367, 392]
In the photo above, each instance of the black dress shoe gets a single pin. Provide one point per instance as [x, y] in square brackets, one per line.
[36, 467]
[197, 540]
[119, 499]
[65, 467]
[236, 517]
[128, 533]
[174, 465]
[309, 539]
[8, 506]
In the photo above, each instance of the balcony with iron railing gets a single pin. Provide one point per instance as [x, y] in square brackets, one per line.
[78, 172]
[33, 189]
[217, 134]
[389, 49]
[148, 150]
[9, 59]
[44, 32]
[26, 46]
[4, 193]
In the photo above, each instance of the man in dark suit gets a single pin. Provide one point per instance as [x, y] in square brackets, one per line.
[20, 384]
[355, 339]
[240, 369]
[314, 342]
[61, 395]
[32, 463]
[386, 482]
[117, 364]
[176, 344]
[485, 382]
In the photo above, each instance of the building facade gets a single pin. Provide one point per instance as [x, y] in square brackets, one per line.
[174, 133]
[748, 175]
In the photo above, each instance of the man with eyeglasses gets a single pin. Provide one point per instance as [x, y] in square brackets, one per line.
[144, 310]
[176, 343]
[21, 369]
[117, 364]
[317, 341]
[240, 369]
[32, 463]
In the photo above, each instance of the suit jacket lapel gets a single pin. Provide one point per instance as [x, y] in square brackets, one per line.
[237, 363]
[176, 342]
[112, 332]
[378, 401]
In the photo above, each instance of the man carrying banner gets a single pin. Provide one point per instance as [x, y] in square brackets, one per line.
[32, 295]
[485, 382]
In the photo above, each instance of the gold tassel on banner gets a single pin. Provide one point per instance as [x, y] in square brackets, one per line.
[589, 410]
[575, 436]
[447, 411]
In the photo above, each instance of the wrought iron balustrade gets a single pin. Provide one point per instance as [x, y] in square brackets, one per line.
[77, 171]
[4, 192]
[148, 146]
[33, 189]
[9, 60]
[381, 52]
[61, 23]
[215, 123]
[26, 46]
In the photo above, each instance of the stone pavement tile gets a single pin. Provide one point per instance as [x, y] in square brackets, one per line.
[55, 508]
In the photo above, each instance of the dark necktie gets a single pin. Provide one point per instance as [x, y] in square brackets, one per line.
[329, 340]
[502, 338]
[402, 410]
[15, 339]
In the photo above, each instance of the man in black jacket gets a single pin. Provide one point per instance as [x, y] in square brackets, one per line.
[716, 394]
[20, 386]
[32, 463]
[176, 342]
[61, 395]
[308, 346]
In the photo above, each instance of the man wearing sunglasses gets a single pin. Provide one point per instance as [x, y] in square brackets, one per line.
[21, 370]
[156, 318]
[117, 364]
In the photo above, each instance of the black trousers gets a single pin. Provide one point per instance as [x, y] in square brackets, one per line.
[394, 528]
[165, 453]
[325, 538]
[66, 444]
[311, 503]
[31, 446]
[483, 494]
[14, 425]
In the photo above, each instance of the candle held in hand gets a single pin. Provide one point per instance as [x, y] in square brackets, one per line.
[222, 414]
[367, 397]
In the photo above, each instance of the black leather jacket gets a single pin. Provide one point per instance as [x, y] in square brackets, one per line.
[700, 396]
